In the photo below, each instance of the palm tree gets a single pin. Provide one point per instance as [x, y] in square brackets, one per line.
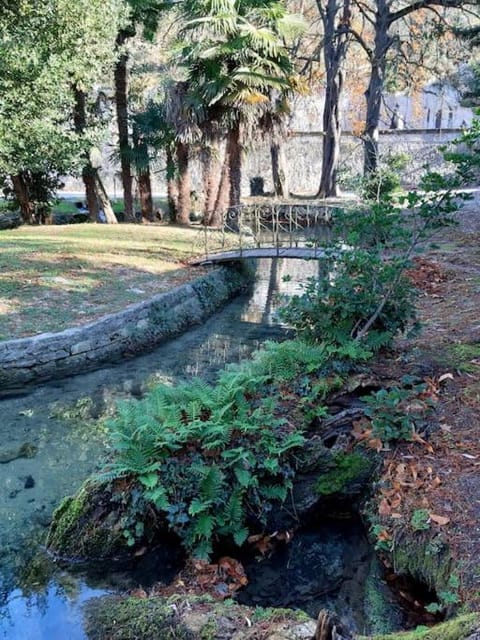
[235, 58]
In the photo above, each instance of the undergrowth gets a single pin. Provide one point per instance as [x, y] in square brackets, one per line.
[214, 460]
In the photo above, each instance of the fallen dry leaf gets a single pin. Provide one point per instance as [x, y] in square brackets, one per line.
[445, 376]
[441, 520]
[384, 508]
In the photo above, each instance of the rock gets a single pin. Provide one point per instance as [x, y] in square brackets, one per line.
[10, 220]
[29, 482]
[330, 627]
[302, 631]
[26, 450]
[42, 517]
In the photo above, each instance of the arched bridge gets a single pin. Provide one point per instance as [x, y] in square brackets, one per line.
[303, 253]
[265, 231]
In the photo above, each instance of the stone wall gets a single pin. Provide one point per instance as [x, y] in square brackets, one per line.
[303, 151]
[138, 328]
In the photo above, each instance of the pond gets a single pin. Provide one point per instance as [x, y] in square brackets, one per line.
[56, 424]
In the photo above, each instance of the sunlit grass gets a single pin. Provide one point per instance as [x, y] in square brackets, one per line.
[52, 277]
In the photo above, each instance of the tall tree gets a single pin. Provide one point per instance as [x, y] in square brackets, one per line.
[48, 50]
[336, 18]
[235, 58]
[384, 17]
[144, 14]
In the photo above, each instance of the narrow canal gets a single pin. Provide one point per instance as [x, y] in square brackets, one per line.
[53, 423]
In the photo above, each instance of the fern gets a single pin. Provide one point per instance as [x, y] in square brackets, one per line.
[240, 536]
[233, 512]
[211, 483]
[203, 527]
[201, 453]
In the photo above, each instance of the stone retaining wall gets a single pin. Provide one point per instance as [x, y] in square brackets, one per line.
[138, 328]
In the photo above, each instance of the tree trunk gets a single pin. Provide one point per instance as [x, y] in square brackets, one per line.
[110, 217]
[334, 51]
[121, 102]
[88, 177]
[145, 192]
[373, 94]
[223, 195]
[88, 171]
[211, 176]
[172, 186]
[184, 184]
[142, 167]
[27, 208]
[279, 171]
[234, 155]
[330, 627]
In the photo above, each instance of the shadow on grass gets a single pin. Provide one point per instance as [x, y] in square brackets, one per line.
[41, 295]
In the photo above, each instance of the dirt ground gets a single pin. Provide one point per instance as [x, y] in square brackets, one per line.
[442, 476]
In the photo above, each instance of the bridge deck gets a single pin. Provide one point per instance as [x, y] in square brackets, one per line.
[303, 253]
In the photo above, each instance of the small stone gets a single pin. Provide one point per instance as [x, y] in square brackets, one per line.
[29, 482]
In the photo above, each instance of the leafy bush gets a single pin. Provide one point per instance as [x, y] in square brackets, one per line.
[363, 293]
[398, 412]
[338, 309]
[385, 181]
[214, 460]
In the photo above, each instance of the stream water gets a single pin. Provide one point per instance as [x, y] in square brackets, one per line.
[34, 603]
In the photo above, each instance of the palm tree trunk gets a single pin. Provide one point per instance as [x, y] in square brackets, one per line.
[145, 192]
[211, 175]
[279, 171]
[234, 155]
[184, 184]
[223, 195]
[121, 102]
[172, 186]
[27, 208]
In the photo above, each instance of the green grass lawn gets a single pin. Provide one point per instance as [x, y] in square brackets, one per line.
[66, 206]
[53, 277]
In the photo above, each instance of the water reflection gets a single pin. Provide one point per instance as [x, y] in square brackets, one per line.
[52, 615]
[58, 419]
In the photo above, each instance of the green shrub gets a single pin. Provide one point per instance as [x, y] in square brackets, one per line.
[386, 180]
[215, 460]
[363, 293]
[420, 520]
[398, 412]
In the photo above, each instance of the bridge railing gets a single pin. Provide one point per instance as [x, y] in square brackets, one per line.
[273, 225]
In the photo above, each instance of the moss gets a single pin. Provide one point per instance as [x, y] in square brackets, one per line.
[424, 557]
[277, 614]
[133, 618]
[76, 412]
[379, 611]
[209, 631]
[76, 533]
[181, 617]
[348, 469]
[457, 629]
[460, 356]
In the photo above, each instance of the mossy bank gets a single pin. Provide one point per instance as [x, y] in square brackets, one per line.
[201, 618]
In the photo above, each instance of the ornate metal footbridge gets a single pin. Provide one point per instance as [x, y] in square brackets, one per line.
[266, 231]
